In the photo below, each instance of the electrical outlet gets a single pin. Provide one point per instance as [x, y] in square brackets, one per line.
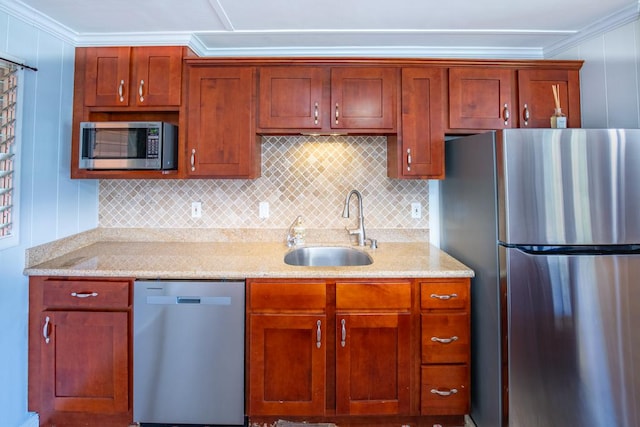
[263, 209]
[416, 210]
[196, 209]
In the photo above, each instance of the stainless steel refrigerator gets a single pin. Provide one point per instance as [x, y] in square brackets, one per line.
[549, 219]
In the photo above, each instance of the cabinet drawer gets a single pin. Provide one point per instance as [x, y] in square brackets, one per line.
[444, 390]
[296, 296]
[387, 295]
[85, 294]
[445, 338]
[444, 295]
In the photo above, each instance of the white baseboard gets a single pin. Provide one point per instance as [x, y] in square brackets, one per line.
[32, 421]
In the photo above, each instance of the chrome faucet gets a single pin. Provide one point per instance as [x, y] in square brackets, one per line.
[345, 214]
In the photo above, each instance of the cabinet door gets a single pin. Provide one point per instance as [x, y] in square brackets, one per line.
[107, 76]
[363, 98]
[291, 97]
[372, 363]
[221, 139]
[287, 362]
[480, 98]
[157, 75]
[84, 362]
[420, 149]
[536, 100]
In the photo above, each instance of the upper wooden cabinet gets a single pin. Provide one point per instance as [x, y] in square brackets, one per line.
[480, 98]
[328, 99]
[510, 97]
[132, 76]
[218, 123]
[418, 149]
[535, 96]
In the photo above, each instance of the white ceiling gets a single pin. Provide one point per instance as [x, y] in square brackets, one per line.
[434, 28]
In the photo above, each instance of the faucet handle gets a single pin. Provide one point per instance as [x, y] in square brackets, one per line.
[373, 243]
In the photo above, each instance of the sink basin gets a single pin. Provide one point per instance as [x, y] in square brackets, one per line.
[327, 256]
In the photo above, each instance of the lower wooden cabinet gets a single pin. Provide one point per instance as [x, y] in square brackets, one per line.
[79, 351]
[445, 351]
[348, 349]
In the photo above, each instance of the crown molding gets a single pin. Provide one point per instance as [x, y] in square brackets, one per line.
[45, 23]
[371, 52]
[624, 16]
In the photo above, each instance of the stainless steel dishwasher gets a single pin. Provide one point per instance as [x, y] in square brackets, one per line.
[188, 352]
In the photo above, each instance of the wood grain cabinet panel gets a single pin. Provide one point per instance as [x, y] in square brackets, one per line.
[133, 76]
[220, 123]
[445, 350]
[327, 99]
[536, 96]
[79, 351]
[481, 98]
[417, 151]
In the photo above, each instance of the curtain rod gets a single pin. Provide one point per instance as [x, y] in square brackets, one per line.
[19, 64]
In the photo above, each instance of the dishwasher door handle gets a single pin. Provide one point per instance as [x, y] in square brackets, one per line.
[190, 300]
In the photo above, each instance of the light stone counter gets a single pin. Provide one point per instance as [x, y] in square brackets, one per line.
[229, 254]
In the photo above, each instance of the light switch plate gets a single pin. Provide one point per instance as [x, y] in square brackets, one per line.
[196, 209]
[416, 210]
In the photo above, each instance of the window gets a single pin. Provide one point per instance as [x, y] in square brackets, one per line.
[8, 152]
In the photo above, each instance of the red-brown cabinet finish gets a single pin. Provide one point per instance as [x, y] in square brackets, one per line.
[445, 350]
[536, 96]
[481, 98]
[327, 99]
[80, 354]
[418, 149]
[219, 123]
[133, 76]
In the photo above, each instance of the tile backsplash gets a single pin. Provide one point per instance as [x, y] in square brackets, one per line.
[301, 175]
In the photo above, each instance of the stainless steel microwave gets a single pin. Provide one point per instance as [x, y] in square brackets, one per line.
[128, 145]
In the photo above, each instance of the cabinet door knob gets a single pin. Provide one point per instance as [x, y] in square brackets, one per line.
[343, 341]
[121, 90]
[525, 115]
[45, 330]
[506, 114]
[318, 334]
[141, 91]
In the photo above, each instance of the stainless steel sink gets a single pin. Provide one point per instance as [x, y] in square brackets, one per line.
[327, 256]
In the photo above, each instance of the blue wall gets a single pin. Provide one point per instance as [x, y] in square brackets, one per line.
[51, 205]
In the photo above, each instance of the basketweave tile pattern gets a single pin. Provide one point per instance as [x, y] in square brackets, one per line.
[301, 175]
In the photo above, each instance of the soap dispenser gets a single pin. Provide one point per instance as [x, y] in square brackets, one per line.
[299, 232]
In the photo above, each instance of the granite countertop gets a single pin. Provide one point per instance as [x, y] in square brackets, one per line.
[226, 254]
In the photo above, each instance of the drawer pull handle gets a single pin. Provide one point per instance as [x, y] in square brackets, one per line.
[444, 297]
[443, 392]
[337, 112]
[343, 342]
[318, 334]
[444, 340]
[193, 160]
[84, 295]
[45, 330]
[506, 115]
